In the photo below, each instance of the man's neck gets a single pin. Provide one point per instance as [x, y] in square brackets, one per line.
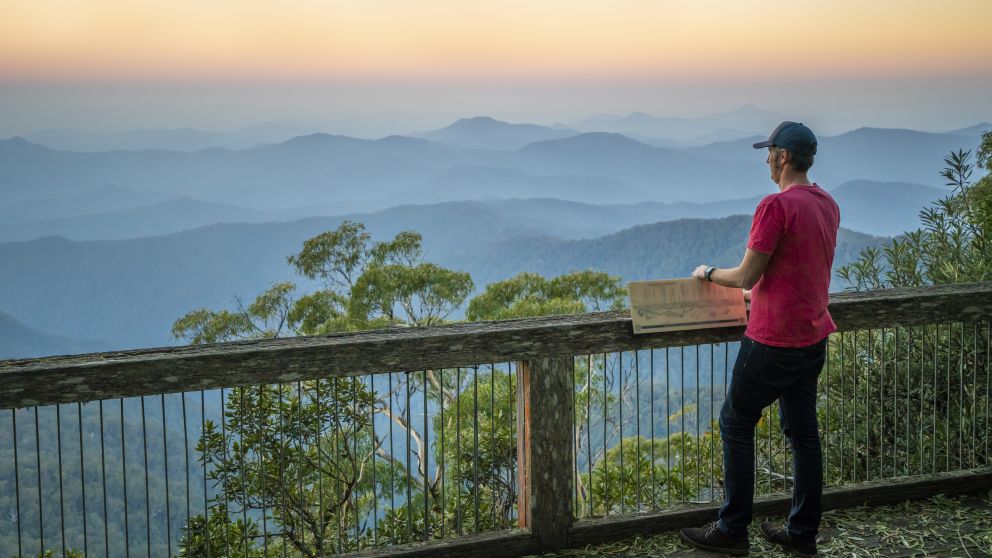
[790, 178]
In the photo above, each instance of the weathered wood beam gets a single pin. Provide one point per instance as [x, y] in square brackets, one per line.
[606, 529]
[488, 545]
[67, 379]
[873, 493]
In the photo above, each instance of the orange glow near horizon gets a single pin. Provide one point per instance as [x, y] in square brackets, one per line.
[266, 40]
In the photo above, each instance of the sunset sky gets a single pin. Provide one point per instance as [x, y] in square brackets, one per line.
[118, 64]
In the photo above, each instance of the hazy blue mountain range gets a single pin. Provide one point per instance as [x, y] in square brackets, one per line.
[858, 200]
[19, 341]
[321, 170]
[741, 122]
[483, 132]
[182, 139]
[127, 293]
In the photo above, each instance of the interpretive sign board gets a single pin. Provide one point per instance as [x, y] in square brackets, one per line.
[680, 304]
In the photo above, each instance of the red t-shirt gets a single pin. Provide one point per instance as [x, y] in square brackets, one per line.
[798, 228]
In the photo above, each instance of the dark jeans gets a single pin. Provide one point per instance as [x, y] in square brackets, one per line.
[763, 374]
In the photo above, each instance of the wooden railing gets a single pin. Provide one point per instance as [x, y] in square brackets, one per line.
[544, 349]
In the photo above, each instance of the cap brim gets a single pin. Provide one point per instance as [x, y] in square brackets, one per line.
[762, 144]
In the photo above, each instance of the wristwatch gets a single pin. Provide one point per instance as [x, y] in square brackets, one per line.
[709, 272]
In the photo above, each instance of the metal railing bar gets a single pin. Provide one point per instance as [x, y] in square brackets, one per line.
[17, 480]
[492, 439]
[82, 478]
[144, 450]
[458, 451]
[682, 419]
[668, 428]
[206, 507]
[223, 488]
[280, 456]
[475, 447]
[127, 541]
[58, 440]
[442, 473]
[242, 466]
[654, 482]
[589, 429]
[103, 472]
[426, 460]
[41, 512]
[637, 433]
[606, 461]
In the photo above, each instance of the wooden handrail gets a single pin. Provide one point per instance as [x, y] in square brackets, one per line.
[67, 379]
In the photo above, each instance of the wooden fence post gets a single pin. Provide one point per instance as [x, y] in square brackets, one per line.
[545, 456]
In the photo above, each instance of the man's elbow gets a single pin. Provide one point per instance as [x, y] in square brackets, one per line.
[749, 280]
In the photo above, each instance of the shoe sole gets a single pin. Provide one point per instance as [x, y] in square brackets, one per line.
[731, 551]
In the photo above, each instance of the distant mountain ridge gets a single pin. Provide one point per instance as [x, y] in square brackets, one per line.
[20, 341]
[325, 169]
[483, 132]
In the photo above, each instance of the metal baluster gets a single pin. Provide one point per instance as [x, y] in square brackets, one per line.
[263, 439]
[354, 453]
[589, 429]
[974, 394]
[492, 441]
[82, 477]
[304, 502]
[637, 434]
[392, 455]
[186, 463]
[458, 450]
[375, 447]
[961, 401]
[923, 343]
[577, 436]
[58, 441]
[242, 466]
[697, 443]
[933, 452]
[17, 482]
[41, 514]
[475, 447]
[843, 399]
[318, 436]
[623, 482]
[668, 428]
[988, 385]
[606, 461]
[868, 418]
[206, 507]
[442, 471]
[709, 425]
[947, 405]
[144, 448]
[103, 472]
[426, 459]
[223, 436]
[281, 456]
[682, 417]
[654, 483]
[127, 543]
[409, 490]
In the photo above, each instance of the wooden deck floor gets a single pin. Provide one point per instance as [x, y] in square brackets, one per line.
[940, 527]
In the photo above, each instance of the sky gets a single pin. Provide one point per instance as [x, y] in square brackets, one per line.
[370, 67]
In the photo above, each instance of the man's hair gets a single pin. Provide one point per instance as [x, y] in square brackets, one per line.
[800, 162]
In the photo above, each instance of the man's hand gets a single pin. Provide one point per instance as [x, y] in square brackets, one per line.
[700, 272]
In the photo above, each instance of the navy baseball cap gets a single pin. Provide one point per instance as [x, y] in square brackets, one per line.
[792, 136]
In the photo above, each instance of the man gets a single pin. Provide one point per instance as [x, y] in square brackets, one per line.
[787, 267]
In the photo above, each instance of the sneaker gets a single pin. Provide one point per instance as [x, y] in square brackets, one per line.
[780, 536]
[712, 539]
